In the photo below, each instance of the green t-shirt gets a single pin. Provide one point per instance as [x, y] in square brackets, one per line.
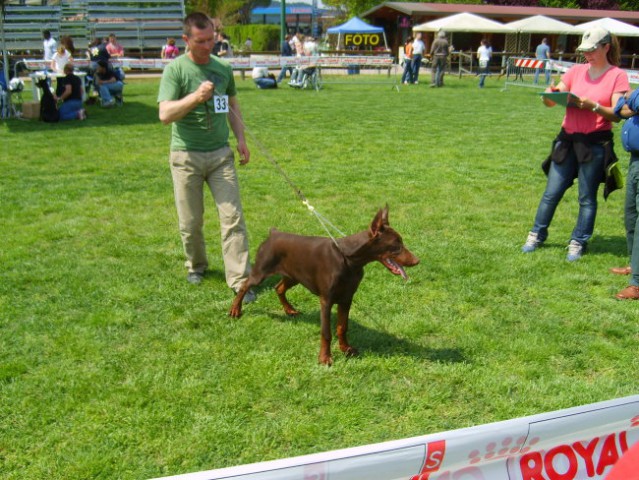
[202, 129]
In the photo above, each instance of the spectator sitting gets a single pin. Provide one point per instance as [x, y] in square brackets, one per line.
[109, 87]
[263, 79]
[114, 48]
[170, 50]
[69, 92]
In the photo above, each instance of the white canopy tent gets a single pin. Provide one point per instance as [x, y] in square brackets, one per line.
[542, 24]
[616, 27]
[463, 22]
[524, 27]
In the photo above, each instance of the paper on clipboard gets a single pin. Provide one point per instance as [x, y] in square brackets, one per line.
[566, 99]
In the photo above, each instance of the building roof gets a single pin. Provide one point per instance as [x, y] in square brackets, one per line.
[390, 10]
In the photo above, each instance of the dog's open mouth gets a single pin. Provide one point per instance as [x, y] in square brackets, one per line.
[394, 267]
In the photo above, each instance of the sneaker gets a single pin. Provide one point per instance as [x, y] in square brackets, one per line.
[575, 250]
[195, 278]
[82, 114]
[109, 104]
[532, 243]
[249, 297]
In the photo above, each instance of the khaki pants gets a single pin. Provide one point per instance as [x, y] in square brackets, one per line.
[190, 171]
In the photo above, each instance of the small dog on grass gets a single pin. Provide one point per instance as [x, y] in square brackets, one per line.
[331, 269]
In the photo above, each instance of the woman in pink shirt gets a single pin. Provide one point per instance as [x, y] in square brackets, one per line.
[584, 147]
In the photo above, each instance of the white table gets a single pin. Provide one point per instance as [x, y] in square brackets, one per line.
[35, 76]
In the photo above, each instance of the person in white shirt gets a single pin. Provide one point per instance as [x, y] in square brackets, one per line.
[484, 53]
[49, 44]
[60, 58]
[310, 47]
[418, 54]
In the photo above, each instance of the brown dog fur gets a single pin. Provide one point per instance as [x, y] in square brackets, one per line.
[330, 269]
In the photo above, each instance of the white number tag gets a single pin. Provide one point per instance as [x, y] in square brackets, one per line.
[221, 103]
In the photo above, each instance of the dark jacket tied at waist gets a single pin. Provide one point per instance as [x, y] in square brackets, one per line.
[580, 144]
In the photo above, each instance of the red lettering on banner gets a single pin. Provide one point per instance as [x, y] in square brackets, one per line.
[566, 451]
[545, 465]
[586, 453]
[623, 442]
[608, 455]
[532, 466]
[435, 452]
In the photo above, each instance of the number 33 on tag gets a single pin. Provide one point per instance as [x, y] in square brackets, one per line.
[221, 103]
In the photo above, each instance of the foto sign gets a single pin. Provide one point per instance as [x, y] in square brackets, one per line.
[362, 39]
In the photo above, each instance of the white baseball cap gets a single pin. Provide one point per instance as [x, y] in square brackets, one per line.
[593, 38]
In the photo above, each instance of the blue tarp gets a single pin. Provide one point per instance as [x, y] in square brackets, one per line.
[355, 25]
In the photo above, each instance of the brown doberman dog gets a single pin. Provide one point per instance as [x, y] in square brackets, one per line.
[331, 269]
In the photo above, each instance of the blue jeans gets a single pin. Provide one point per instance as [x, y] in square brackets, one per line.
[631, 217]
[407, 76]
[415, 65]
[547, 70]
[265, 83]
[483, 72]
[560, 178]
[282, 74]
[107, 90]
[69, 109]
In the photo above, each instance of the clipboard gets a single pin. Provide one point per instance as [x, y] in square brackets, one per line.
[566, 99]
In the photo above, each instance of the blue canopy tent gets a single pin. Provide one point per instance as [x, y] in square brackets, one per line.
[355, 25]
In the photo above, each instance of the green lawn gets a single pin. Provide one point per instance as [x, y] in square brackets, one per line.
[112, 366]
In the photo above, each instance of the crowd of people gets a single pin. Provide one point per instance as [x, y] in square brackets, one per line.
[414, 54]
[100, 79]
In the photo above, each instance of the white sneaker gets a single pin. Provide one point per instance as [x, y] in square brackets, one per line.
[575, 251]
[532, 243]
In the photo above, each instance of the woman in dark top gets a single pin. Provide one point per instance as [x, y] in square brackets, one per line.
[69, 92]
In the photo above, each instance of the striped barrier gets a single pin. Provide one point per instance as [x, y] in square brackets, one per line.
[580, 443]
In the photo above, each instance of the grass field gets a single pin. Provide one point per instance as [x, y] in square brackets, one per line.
[112, 366]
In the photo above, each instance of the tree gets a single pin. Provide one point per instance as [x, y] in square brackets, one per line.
[229, 12]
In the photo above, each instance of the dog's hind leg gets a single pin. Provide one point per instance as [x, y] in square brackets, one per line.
[343, 310]
[283, 285]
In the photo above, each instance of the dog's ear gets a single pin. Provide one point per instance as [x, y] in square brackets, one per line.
[379, 222]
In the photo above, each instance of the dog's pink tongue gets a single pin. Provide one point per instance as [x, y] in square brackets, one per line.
[395, 268]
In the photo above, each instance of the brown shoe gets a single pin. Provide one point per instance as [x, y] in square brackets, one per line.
[621, 270]
[629, 293]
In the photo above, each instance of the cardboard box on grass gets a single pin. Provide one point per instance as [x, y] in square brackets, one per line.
[31, 110]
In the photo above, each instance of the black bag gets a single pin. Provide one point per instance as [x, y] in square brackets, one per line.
[48, 106]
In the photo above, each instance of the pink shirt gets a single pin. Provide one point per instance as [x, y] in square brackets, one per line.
[578, 81]
[115, 49]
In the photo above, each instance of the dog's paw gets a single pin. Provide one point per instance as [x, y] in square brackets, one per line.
[351, 352]
[326, 360]
[235, 311]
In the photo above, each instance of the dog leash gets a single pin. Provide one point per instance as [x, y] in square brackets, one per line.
[324, 222]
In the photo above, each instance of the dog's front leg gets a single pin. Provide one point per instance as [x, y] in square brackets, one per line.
[236, 306]
[343, 310]
[325, 357]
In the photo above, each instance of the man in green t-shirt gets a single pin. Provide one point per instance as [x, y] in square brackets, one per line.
[198, 97]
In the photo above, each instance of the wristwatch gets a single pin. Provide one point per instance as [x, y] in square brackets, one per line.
[596, 107]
